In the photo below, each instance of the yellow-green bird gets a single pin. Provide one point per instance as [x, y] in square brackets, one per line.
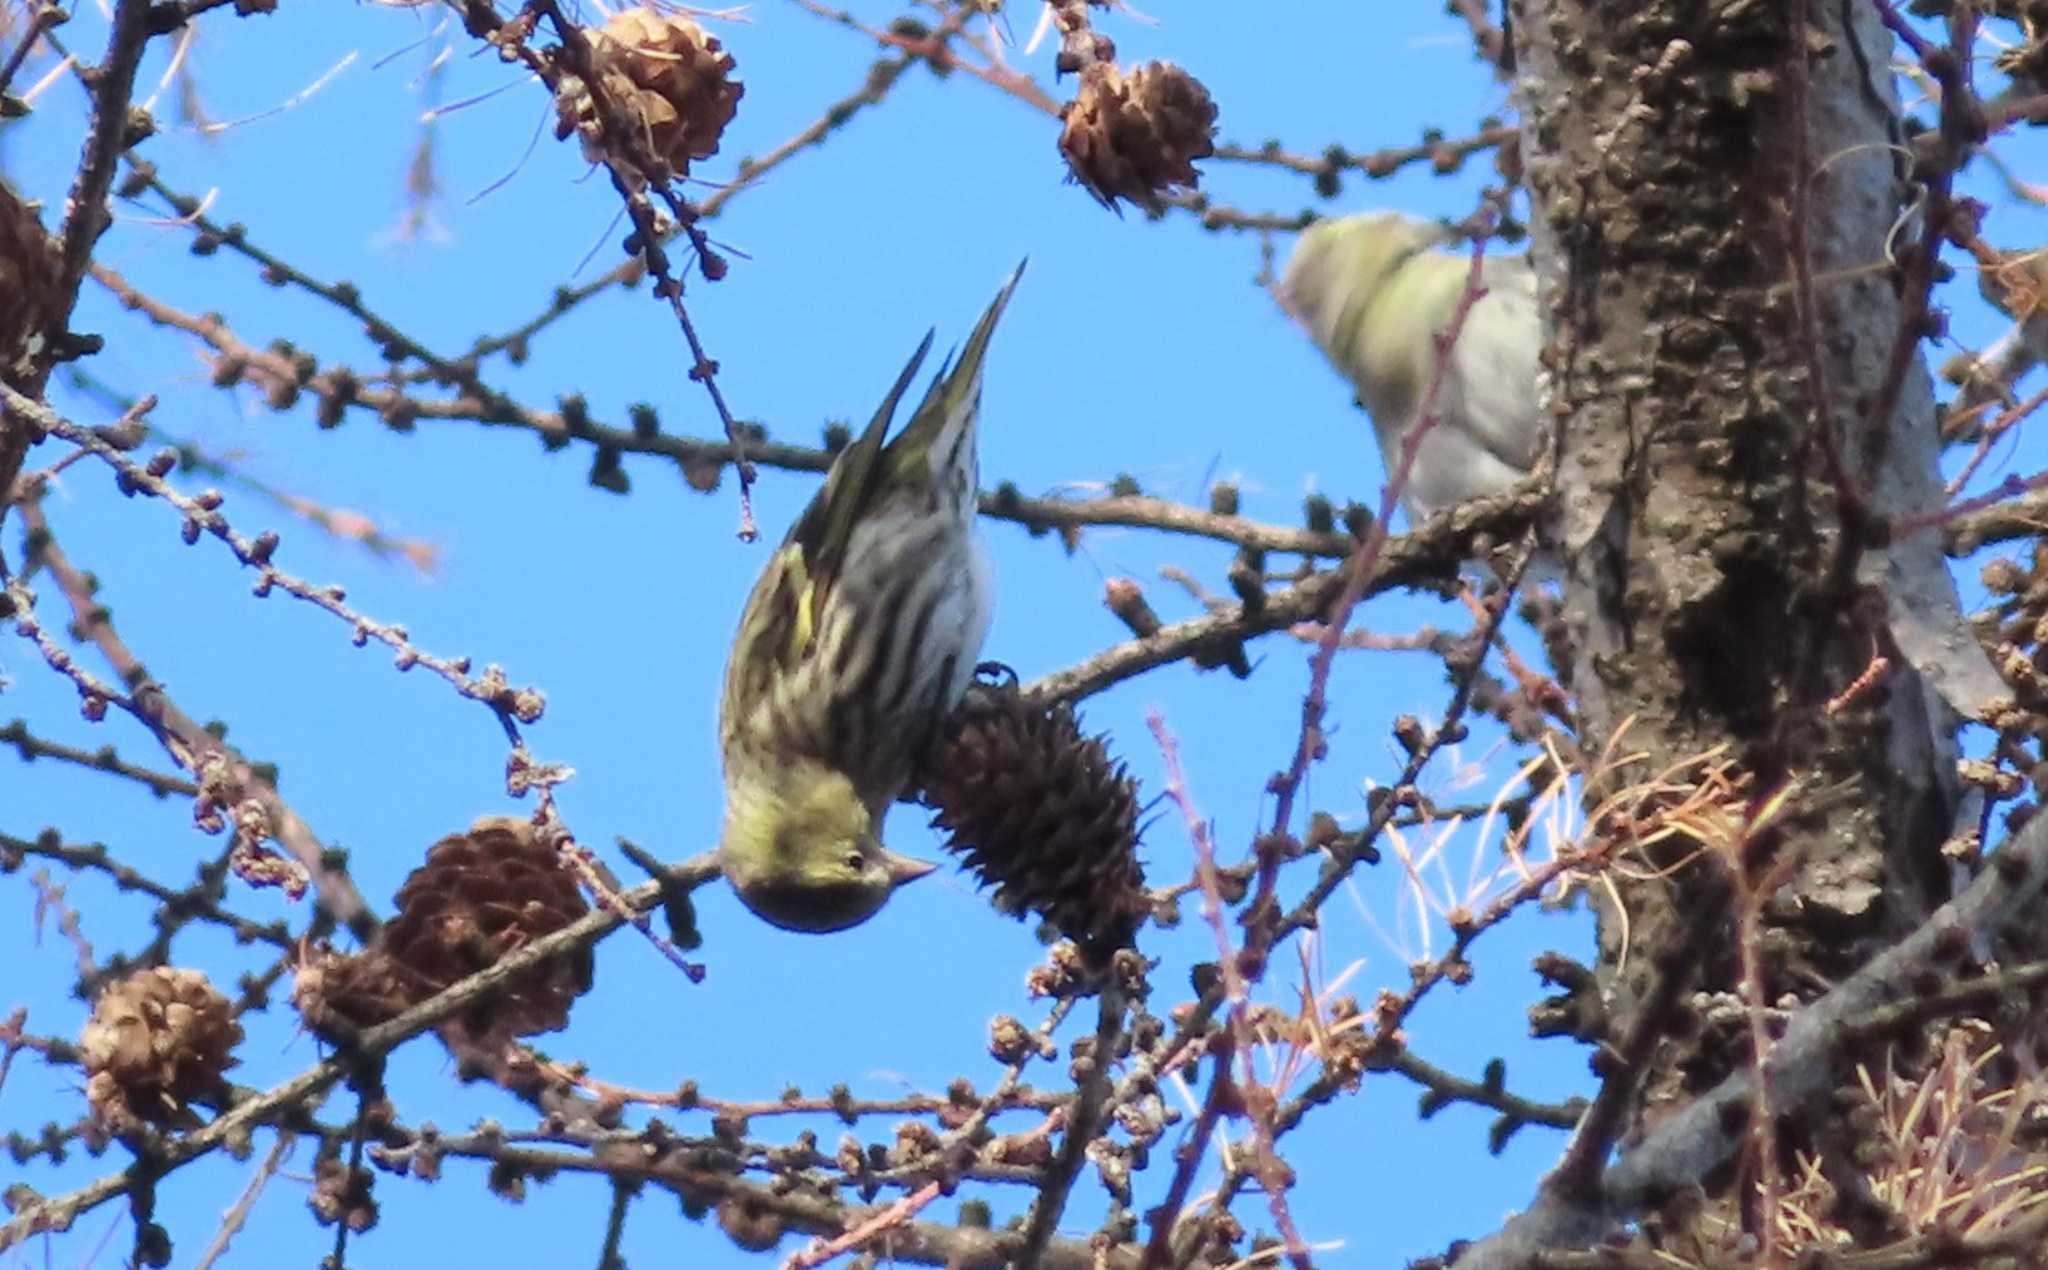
[1373, 292]
[861, 634]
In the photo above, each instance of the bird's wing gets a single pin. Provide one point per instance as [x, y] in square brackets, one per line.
[780, 624]
[828, 525]
[1497, 359]
[783, 620]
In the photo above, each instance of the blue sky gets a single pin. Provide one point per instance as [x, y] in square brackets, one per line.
[1131, 347]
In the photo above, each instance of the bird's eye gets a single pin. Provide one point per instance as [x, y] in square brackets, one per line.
[855, 861]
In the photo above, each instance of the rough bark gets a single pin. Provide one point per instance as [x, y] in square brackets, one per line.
[1713, 184]
[40, 273]
[30, 270]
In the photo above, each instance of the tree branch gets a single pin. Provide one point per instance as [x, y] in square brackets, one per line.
[1708, 1132]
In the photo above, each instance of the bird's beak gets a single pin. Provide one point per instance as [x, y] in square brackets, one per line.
[904, 869]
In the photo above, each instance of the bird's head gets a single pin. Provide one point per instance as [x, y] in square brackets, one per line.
[803, 852]
[1352, 257]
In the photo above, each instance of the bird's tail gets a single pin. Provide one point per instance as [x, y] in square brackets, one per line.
[939, 443]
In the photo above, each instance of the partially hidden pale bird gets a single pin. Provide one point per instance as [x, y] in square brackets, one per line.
[861, 634]
[1373, 291]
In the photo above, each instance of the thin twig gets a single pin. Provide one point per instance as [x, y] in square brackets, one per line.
[1084, 1122]
[236, 1217]
[192, 903]
[112, 86]
[202, 516]
[31, 747]
[227, 780]
[339, 388]
[57, 1213]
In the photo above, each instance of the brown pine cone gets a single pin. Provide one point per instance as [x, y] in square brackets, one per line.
[342, 1194]
[750, 1225]
[474, 900]
[358, 990]
[670, 79]
[1040, 812]
[1136, 136]
[157, 1040]
[479, 896]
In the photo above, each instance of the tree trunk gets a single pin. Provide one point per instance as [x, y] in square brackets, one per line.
[1736, 374]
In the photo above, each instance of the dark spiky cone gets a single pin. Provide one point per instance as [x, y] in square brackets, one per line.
[157, 1040]
[1136, 136]
[1040, 812]
[480, 896]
